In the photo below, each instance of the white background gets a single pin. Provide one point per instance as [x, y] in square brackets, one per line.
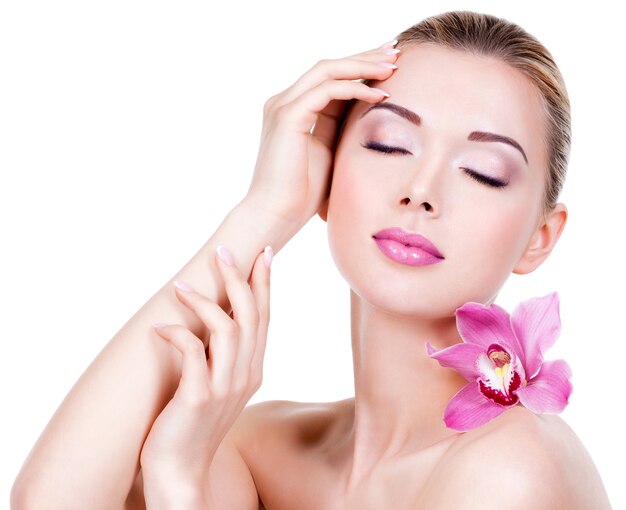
[128, 129]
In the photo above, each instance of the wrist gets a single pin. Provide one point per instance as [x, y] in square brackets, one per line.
[263, 223]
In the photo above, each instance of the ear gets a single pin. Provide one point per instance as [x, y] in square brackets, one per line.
[323, 212]
[543, 240]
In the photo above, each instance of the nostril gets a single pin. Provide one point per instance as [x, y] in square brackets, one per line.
[427, 206]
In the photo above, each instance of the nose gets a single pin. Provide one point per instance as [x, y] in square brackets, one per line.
[426, 205]
[421, 191]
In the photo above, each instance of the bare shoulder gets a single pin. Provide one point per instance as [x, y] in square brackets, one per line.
[281, 425]
[277, 440]
[518, 460]
[257, 422]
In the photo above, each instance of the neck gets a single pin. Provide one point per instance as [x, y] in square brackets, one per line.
[400, 392]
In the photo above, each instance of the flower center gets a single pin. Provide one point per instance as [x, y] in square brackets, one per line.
[498, 379]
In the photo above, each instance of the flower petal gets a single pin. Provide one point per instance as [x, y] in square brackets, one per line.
[549, 390]
[461, 357]
[469, 408]
[537, 324]
[486, 325]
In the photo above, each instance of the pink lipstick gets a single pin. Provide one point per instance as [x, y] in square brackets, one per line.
[407, 248]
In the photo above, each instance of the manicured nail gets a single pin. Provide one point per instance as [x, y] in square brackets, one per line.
[390, 43]
[380, 91]
[268, 255]
[387, 64]
[159, 325]
[183, 286]
[393, 51]
[225, 255]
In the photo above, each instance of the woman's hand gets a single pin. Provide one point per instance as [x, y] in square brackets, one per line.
[212, 392]
[292, 173]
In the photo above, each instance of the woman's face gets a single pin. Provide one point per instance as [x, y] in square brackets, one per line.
[482, 231]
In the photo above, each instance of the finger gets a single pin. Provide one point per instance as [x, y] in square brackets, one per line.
[194, 380]
[208, 311]
[248, 340]
[245, 312]
[223, 343]
[260, 285]
[386, 54]
[335, 69]
[329, 119]
[245, 315]
[329, 122]
[384, 47]
[304, 112]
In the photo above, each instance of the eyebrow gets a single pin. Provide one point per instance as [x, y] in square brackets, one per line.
[414, 118]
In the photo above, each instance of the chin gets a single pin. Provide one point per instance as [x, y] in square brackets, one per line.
[428, 299]
[430, 295]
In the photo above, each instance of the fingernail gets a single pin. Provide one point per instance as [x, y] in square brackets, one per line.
[390, 43]
[224, 255]
[380, 91]
[387, 64]
[268, 255]
[183, 286]
[159, 325]
[393, 51]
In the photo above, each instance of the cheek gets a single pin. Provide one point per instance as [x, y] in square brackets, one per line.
[347, 206]
[497, 238]
[354, 190]
[352, 220]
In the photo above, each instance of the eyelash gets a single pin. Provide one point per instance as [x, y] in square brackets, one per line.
[489, 181]
[375, 146]
[483, 179]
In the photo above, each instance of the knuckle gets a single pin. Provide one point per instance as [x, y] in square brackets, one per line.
[282, 113]
[331, 85]
[325, 67]
[230, 328]
[322, 63]
[268, 105]
[195, 347]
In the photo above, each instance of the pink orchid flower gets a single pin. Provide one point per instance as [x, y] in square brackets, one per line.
[502, 357]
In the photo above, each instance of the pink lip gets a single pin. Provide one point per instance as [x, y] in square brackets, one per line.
[407, 248]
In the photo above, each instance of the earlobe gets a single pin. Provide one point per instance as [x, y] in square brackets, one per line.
[543, 240]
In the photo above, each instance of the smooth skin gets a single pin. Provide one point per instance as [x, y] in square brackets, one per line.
[389, 446]
[214, 387]
[343, 454]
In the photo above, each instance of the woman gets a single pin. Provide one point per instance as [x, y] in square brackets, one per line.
[175, 431]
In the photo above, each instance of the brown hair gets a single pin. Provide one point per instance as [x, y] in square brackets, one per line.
[488, 35]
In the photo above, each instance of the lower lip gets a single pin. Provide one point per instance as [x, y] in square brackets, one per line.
[409, 255]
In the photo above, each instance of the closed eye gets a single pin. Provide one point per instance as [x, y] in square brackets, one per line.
[483, 179]
[489, 181]
[375, 146]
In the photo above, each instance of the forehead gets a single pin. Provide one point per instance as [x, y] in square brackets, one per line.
[457, 92]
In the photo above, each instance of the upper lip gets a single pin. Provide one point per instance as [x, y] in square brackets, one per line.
[409, 239]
